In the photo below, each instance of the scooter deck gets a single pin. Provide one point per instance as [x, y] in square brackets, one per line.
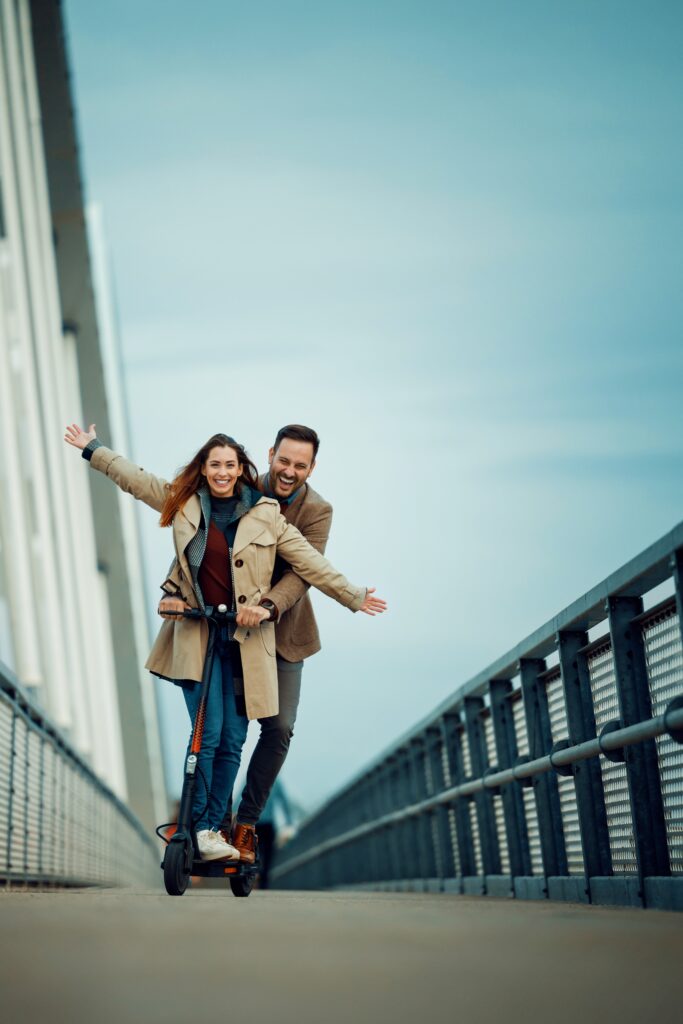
[222, 868]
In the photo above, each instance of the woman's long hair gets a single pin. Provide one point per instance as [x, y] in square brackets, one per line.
[190, 478]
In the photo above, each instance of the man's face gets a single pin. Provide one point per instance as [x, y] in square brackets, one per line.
[290, 466]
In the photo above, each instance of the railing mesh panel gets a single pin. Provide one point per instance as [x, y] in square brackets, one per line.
[476, 841]
[614, 778]
[474, 822]
[452, 823]
[33, 802]
[18, 798]
[528, 797]
[466, 759]
[57, 823]
[5, 770]
[664, 658]
[499, 814]
[567, 790]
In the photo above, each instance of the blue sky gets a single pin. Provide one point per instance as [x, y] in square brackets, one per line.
[447, 235]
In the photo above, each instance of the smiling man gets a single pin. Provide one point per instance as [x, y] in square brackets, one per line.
[291, 459]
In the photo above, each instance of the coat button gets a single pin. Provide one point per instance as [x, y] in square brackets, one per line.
[241, 599]
[239, 563]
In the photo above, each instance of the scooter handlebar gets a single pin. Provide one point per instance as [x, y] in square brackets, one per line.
[219, 614]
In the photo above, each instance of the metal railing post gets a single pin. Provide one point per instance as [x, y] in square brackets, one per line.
[545, 786]
[400, 801]
[392, 836]
[423, 825]
[445, 864]
[376, 811]
[452, 727]
[590, 796]
[647, 807]
[513, 802]
[388, 835]
[483, 800]
[677, 573]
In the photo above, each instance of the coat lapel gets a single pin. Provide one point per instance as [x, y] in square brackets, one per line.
[258, 521]
[185, 526]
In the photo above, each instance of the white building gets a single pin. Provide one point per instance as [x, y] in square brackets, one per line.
[72, 619]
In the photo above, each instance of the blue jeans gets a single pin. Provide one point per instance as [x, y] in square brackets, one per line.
[219, 759]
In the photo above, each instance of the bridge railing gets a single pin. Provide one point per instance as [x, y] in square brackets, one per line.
[556, 772]
[59, 824]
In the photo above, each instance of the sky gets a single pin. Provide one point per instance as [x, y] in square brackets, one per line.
[447, 236]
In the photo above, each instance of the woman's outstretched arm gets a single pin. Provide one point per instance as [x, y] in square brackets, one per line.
[130, 478]
[316, 570]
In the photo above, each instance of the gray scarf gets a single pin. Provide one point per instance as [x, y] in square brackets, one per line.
[197, 546]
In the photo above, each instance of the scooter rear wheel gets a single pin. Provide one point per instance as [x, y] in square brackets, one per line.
[242, 885]
[176, 875]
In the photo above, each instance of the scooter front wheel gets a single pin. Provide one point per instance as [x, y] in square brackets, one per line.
[176, 875]
[242, 885]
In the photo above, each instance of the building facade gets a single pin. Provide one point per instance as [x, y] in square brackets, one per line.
[72, 619]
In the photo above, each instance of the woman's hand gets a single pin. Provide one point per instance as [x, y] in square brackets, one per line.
[169, 605]
[79, 438]
[373, 605]
[252, 616]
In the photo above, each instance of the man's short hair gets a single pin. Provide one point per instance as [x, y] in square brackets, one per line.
[297, 432]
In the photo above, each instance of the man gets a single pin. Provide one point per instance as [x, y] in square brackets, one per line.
[291, 460]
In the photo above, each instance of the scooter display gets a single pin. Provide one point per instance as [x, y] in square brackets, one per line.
[181, 857]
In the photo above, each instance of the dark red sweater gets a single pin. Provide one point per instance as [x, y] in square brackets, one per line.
[214, 577]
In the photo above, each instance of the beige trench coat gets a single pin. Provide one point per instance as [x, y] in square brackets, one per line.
[262, 533]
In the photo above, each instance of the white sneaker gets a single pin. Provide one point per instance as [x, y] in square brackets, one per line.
[212, 846]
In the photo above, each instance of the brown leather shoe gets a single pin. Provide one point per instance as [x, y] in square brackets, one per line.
[245, 840]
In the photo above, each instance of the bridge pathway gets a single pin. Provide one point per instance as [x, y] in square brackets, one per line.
[112, 956]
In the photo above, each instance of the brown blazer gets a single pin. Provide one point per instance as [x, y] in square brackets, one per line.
[296, 631]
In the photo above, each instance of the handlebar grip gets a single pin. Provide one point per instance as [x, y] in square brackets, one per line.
[211, 613]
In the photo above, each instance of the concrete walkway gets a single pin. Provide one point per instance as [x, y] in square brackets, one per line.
[120, 956]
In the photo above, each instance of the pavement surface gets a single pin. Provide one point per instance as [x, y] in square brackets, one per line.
[128, 956]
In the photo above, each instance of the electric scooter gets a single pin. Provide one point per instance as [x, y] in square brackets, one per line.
[181, 857]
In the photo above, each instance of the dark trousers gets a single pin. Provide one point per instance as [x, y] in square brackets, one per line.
[273, 743]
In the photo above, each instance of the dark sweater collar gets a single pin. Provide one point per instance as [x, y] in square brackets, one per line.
[243, 501]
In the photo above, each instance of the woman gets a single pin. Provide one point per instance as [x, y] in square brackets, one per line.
[226, 536]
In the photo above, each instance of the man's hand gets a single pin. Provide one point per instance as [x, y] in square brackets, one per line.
[373, 605]
[79, 438]
[253, 616]
[169, 605]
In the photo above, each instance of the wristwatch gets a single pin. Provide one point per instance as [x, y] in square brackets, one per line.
[271, 608]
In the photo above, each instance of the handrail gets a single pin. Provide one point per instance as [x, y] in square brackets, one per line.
[59, 822]
[598, 730]
[618, 739]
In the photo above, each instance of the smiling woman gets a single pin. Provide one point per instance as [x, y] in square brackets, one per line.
[226, 535]
[222, 461]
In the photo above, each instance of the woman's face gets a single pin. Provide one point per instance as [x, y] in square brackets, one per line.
[221, 470]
